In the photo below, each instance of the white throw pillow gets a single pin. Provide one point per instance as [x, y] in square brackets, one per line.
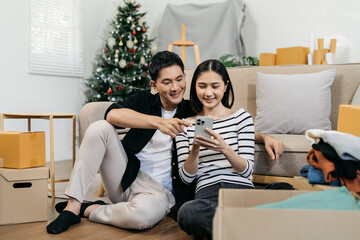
[293, 103]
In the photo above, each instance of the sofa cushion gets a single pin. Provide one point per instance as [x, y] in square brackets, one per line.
[291, 161]
[293, 103]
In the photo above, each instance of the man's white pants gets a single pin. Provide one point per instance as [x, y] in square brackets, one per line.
[141, 206]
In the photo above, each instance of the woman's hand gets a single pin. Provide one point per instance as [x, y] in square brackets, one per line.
[216, 143]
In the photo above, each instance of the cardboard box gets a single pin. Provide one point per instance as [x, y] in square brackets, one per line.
[267, 59]
[302, 183]
[235, 219]
[349, 119]
[23, 195]
[292, 55]
[22, 149]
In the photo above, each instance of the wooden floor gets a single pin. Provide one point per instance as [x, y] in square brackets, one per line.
[166, 229]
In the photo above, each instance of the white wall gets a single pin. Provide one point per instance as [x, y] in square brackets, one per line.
[269, 24]
[272, 24]
[24, 92]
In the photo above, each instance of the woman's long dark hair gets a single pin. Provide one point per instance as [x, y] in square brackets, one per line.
[219, 68]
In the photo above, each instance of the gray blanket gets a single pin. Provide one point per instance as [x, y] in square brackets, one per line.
[215, 28]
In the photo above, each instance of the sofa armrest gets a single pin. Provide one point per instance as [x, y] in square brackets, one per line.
[89, 113]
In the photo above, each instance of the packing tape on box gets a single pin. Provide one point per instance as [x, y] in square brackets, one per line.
[33, 136]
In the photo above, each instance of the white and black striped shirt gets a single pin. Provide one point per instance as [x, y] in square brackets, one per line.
[238, 131]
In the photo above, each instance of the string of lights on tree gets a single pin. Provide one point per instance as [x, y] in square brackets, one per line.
[122, 65]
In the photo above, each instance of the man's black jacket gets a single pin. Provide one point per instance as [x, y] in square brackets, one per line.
[136, 139]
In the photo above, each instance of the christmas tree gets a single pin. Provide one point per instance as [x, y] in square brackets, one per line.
[122, 65]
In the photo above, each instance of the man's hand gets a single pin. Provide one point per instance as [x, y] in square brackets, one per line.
[274, 147]
[173, 126]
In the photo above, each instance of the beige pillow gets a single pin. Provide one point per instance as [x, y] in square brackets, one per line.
[293, 103]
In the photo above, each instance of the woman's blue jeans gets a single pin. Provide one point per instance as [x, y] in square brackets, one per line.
[195, 217]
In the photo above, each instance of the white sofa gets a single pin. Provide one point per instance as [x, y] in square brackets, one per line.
[346, 82]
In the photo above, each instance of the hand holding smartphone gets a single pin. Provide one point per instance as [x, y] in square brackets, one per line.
[200, 124]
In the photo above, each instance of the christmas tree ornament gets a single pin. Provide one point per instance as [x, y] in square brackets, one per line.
[98, 96]
[116, 55]
[141, 21]
[122, 63]
[120, 87]
[129, 44]
[135, 41]
[129, 19]
[132, 50]
[134, 32]
[111, 42]
[138, 29]
[113, 99]
[142, 60]
[109, 91]
[121, 43]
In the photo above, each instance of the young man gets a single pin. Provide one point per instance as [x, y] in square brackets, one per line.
[139, 173]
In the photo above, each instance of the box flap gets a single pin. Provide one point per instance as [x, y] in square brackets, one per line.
[18, 132]
[24, 174]
[11, 132]
[251, 198]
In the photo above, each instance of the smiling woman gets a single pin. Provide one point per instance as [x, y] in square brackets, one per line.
[225, 160]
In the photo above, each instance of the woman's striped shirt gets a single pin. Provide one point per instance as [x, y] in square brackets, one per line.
[238, 131]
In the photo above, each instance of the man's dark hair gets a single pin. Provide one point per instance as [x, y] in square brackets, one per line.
[162, 60]
[219, 68]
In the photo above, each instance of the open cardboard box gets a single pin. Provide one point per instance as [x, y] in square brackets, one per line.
[236, 219]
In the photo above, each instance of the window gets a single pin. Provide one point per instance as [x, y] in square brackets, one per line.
[56, 37]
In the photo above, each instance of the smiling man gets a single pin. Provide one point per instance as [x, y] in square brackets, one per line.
[139, 173]
[136, 172]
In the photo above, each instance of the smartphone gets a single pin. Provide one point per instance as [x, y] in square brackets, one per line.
[200, 124]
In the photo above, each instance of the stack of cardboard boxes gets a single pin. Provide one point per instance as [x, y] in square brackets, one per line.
[23, 177]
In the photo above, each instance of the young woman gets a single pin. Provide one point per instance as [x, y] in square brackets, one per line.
[224, 161]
